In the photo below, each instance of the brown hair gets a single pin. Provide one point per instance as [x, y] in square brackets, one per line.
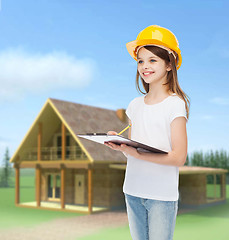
[172, 80]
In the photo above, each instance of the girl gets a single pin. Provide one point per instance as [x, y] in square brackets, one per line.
[158, 118]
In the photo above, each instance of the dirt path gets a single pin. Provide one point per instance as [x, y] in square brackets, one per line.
[67, 228]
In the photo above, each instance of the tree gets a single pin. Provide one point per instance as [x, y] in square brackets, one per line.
[6, 170]
[197, 159]
[187, 161]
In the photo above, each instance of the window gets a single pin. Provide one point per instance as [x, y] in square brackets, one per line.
[59, 146]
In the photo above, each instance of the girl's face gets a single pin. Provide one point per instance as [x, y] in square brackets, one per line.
[150, 67]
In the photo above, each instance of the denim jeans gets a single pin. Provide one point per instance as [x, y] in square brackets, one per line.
[151, 219]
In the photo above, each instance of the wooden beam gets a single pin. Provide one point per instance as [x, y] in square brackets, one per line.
[214, 185]
[17, 185]
[63, 142]
[223, 186]
[38, 186]
[76, 165]
[62, 194]
[90, 196]
[39, 141]
[50, 165]
[27, 165]
[54, 164]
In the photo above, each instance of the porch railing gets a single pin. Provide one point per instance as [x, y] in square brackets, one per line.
[54, 153]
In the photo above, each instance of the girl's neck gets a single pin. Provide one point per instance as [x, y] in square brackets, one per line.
[158, 92]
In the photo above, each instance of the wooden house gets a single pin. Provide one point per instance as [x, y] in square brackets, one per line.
[71, 173]
[74, 174]
[199, 187]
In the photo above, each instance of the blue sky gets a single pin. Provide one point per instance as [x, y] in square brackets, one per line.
[76, 51]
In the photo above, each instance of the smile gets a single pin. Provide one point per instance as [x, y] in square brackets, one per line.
[147, 73]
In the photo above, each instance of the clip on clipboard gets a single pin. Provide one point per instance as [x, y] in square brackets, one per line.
[118, 139]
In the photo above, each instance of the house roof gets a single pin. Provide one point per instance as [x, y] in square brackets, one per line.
[80, 119]
[197, 170]
[183, 170]
[83, 119]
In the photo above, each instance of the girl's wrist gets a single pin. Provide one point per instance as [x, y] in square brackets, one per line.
[137, 154]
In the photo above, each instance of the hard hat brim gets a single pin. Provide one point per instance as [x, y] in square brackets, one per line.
[131, 46]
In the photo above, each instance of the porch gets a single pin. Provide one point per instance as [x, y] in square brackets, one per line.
[67, 188]
[57, 206]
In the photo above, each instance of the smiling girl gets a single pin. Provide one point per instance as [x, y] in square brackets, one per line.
[158, 119]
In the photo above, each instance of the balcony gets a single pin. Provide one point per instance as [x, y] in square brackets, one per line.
[54, 153]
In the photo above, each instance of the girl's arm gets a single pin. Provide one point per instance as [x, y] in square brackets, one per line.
[176, 157]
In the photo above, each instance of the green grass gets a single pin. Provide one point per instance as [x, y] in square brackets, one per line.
[207, 224]
[211, 193]
[12, 216]
[210, 223]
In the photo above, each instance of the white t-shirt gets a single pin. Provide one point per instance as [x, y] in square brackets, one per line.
[151, 126]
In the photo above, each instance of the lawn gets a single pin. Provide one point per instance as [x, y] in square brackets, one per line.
[208, 224]
[12, 216]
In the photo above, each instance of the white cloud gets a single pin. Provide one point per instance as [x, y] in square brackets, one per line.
[22, 72]
[220, 101]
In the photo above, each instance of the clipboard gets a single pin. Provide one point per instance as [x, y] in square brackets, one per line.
[119, 139]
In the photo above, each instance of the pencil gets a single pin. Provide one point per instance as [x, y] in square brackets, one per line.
[124, 129]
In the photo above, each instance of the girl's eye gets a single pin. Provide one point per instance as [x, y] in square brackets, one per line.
[152, 60]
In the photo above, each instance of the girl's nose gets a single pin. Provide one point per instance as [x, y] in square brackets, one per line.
[145, 65]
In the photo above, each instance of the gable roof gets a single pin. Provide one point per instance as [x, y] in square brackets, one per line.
[79, 119]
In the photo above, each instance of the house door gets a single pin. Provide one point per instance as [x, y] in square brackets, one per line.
[79, 189]
[53, 187]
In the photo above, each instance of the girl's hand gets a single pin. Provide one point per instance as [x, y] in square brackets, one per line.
[123, 148]
[112, 133]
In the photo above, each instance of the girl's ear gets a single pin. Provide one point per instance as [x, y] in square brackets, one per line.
[169, 67]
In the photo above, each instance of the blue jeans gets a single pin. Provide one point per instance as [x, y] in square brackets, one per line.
[151, 219]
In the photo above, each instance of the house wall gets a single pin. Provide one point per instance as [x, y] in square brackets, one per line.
[199, 190]
[106, 186]
[192, 189]
[69, 186]
[117, 198]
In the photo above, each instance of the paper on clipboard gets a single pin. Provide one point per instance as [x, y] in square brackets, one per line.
[119, 139]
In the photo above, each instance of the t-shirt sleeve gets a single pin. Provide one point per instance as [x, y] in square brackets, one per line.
[178, 110]
[129, 110]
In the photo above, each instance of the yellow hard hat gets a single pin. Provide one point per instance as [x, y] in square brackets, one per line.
[157, 36]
